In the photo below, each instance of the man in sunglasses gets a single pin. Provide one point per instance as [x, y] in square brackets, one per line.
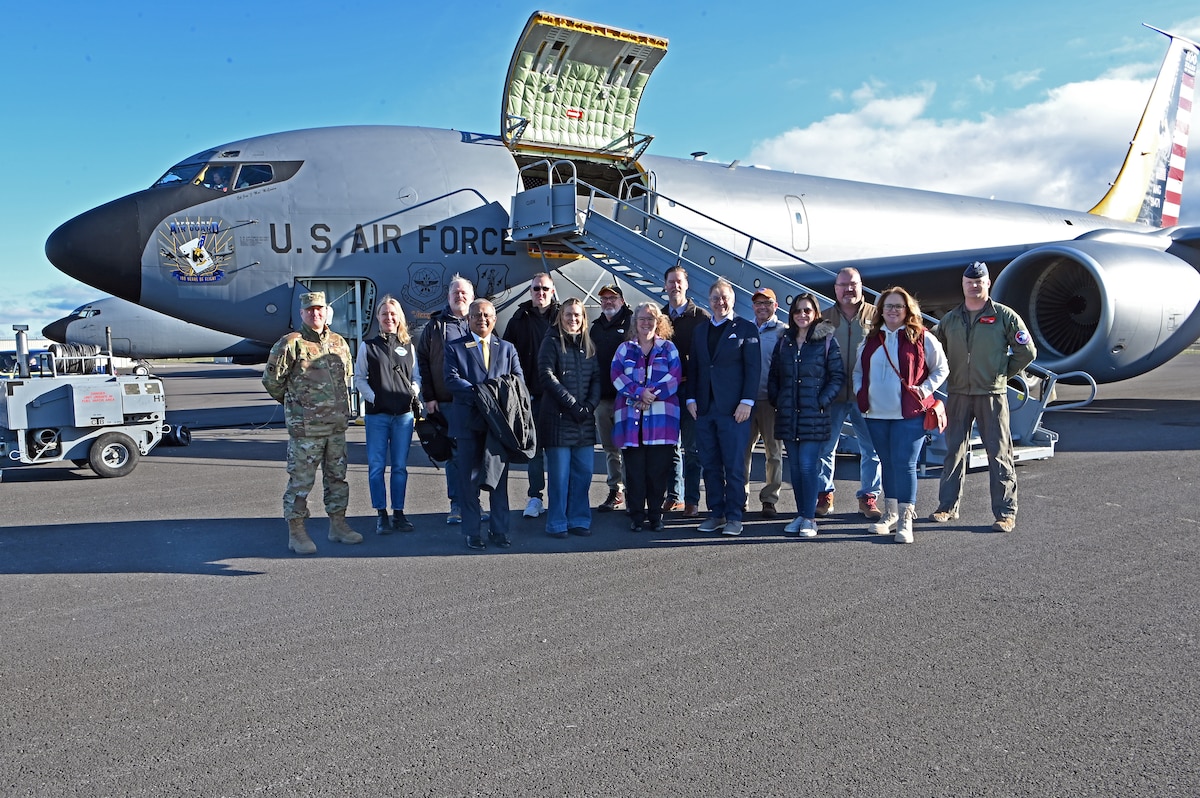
[525, 331]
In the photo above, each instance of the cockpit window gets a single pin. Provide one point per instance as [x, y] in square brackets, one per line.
[254, 174]
[225, 176]
[180, 174]
[216, 177]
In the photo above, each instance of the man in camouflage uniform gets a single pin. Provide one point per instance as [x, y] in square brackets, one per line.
[309, 372]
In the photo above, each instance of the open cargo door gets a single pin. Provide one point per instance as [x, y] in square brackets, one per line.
[573, 90]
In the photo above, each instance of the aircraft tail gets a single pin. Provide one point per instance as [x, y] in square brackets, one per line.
[1150, 183]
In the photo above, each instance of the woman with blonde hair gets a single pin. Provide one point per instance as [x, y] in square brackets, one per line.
[647, 372]
[898, 367]
[385, 374]
[566, 423]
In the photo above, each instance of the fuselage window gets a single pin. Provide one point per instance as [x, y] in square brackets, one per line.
[254, 174]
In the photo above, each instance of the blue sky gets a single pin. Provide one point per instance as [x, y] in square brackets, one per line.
[1028, 101]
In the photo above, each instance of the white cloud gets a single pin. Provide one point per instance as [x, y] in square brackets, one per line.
[1062, 151]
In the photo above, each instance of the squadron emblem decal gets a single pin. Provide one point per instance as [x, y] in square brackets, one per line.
[196, 250]
[425, 290]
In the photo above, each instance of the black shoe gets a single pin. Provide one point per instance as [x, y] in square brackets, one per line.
[635, 526]
[560, 535]
[614, 501]
[400, 523]
[657, 526]
[499, 539]
[476, 543]
[383, 524]
[581, 531]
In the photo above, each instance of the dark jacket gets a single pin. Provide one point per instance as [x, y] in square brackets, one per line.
[525, 331]
[570, 390]
[442, 326]
[803, 382]
[719, 381]
[607, 334]
[503, 403]
[684, 327]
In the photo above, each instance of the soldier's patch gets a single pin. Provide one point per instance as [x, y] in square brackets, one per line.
[1022, 337]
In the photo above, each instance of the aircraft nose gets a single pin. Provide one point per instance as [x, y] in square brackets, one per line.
[57, 330]
[103, 248]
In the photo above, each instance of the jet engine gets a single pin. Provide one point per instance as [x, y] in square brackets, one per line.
[1112, 304]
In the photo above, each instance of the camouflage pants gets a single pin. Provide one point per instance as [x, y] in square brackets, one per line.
[304, 456]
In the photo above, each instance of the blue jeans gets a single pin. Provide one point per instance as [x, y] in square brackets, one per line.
[388, 439]
[685, 486]
[805, 473]
[898, 442]
[569, 471]
[869, 477]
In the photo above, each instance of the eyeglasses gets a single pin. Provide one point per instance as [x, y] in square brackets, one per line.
[483, 315]
[804, 311]
[893, 306]
[763, 303]
[540, 288]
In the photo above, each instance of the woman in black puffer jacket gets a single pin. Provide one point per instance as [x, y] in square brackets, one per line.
[805, 377]
[566, 424]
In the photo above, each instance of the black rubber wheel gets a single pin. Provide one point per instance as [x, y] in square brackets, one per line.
[113, 454]
[178, 435]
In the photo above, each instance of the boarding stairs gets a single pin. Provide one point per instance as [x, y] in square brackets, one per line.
[627, 237]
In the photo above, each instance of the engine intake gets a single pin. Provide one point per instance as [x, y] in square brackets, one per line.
[1113, 309]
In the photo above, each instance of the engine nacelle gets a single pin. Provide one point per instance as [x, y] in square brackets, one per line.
[1112, 308]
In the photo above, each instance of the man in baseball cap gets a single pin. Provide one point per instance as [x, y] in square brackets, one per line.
[309, 372]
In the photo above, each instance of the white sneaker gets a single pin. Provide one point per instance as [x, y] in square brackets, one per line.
[808, 529]
[793, 527]
[534, 508]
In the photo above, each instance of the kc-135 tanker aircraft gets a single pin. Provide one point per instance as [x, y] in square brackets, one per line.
[227, 237]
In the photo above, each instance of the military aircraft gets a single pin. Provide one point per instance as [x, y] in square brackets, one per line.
[143, 334]
[229, 236]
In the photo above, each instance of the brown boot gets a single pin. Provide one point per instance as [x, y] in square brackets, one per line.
[340, 531]
[298, 539]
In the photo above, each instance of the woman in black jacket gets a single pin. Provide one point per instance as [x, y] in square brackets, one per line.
[570, 380]
[805, 377]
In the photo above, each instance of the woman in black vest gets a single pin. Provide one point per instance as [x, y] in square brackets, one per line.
[385, 374]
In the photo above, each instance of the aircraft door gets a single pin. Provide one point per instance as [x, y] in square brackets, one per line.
[352, 302]
[799, 223]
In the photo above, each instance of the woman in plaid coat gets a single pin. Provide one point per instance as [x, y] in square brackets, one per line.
[646, 371]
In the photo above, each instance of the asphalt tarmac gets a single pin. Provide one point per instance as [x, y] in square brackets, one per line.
[159, 639]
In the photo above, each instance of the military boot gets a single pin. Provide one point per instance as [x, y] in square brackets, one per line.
[340, 531]
[298, 539]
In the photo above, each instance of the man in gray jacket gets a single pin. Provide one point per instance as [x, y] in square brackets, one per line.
[850, 317]
[762, 417]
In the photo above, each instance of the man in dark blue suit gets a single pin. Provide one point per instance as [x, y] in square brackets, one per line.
[470, 361]
[720, 389]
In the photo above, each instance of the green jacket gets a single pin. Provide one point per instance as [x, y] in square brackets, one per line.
[983, 355]
[310, 374]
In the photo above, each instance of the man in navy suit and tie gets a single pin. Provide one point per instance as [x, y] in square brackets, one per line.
[720, 389]
[470, 361]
